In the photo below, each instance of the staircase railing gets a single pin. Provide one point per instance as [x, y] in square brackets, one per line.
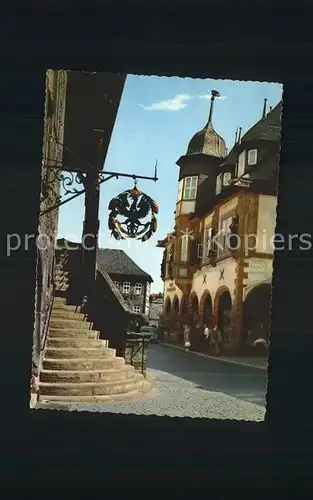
[47, 314]
[136, 351]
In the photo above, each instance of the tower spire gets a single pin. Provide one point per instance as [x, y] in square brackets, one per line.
[264, 108]
[239, 135]
[236, 135]
[214, 94]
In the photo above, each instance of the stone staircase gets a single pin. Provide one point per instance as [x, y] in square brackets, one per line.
[78, 366]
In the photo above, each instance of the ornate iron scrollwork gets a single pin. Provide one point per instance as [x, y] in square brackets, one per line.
[67, 180]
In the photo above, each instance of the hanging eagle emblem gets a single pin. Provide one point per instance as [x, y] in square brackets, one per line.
[139, 213]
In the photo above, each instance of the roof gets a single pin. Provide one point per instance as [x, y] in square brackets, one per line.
[207, 142]
[115, 261]
[162, 243]
[268, 128]
[231, 158]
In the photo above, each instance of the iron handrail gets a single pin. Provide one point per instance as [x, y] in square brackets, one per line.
[133, 342]
[48, 312]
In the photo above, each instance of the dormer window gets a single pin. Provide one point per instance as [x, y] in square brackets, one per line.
[226, 178]
[190, 188]
[241, 164]
[218, 184]
[252, 156]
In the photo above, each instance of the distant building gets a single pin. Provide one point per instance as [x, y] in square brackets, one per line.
[156, 310]
[132, 282]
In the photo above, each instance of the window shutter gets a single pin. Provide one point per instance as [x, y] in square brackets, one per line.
[241, 164]
[218, 184]
[226, 178]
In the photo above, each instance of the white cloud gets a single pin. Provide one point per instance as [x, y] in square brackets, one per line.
[208, 97]
[178, 102]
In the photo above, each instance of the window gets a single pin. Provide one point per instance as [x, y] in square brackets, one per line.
[180, 190]
[252, 156]
[116, 283]
[241, 164]
[184, 248]
[208, 242]
[226, 179]
[126, 287]
[138, 288]
[218, 184]
[137, 309]
[190, 188]
[224, 233]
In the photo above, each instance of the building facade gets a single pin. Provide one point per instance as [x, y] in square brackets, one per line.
[156, 309]
[133, 283]
[217, 263]
[56, 86]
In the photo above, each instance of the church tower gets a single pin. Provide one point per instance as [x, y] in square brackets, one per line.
[205, 152]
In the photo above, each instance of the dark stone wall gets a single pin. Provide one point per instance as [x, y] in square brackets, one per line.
[49, 196]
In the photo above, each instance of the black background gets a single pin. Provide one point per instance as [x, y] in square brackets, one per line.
[46, 453]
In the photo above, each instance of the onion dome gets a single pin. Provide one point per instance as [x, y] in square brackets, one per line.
[207, 141]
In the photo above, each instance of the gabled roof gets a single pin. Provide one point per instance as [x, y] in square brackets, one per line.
[115, 261]
[268, 128]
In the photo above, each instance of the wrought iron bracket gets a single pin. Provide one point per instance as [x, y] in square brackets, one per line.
[67, 179]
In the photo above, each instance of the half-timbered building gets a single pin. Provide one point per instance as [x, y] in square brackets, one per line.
[218, 260]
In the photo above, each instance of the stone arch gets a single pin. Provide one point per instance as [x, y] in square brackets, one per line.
[256, 312]
[194, 306]
[175, 306]
[206, 308]
[184, 306]
[222, 308]
[167, 307]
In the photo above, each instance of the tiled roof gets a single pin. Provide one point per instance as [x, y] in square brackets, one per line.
[207, 142]
[118, 262]
[267, 128]
[231, 158]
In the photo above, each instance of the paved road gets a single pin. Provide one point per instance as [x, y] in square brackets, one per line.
[192, 386]
[245, 383]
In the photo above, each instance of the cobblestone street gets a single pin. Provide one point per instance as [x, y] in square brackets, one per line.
[186, 385]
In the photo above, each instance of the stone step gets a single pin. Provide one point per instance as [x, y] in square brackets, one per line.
[73, 332]
[57, 306]
[82, 363]
[108, 374]
[58, 280]
[72, 352]
[57, 402]
[59, 271]
[59, 300]
[75, 343]
[65, 314]
[91, 388]
[69, 323]
[61, 288]
[60, 284]
[61, 277]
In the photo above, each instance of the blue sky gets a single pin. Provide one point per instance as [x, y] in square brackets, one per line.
[156, 119]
